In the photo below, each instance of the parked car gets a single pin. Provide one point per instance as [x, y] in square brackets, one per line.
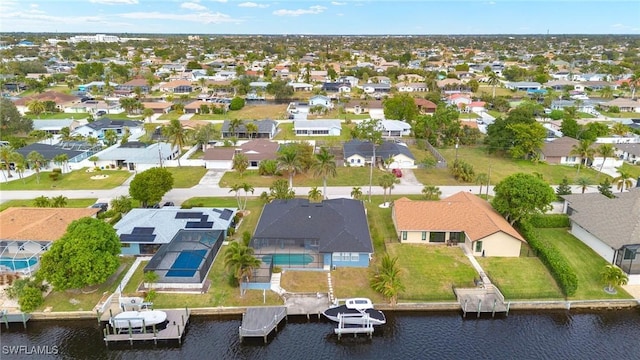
[168, 203]
[102, 206]
[397, 172]
[101, 113]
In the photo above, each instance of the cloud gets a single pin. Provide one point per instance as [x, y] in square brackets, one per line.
[339, 14]
[316, 9]
[205, 17]
[220, 1]
[491, 3]
[114, 2]
[335, 3]
[193, 6]
[253, 5]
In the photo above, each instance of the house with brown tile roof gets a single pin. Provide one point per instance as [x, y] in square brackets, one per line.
[177, 87]
[461, 218]
[256, 151]
[425, 106]
[62, 100]
[558, 151]
[25, 232]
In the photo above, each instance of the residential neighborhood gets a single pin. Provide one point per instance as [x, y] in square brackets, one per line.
[242, 170]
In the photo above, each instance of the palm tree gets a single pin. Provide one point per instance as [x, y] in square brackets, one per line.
[493, 80]
[235, 188]
[584, 183]
[387, 181]
[482, 179]
[584, 150]
[239, 260]
[59, 201]
[387, 279]
[356, 192]
[431, 192]
[315, 195]
[240, 163]
[61, 160]
[606, 92]
[247, 188]
[234, 125]
[147, 114]
[36, 107]
[613, 276]
[7, 155]
[36, 161]
[289, 161]
[93, 141]
[606, 151]
[325, 166]
[623, 180]
[252, 129]
[634, 81]
[21, 166]
[177, 135]
[42, 201]
[619, 129]
[110, 137]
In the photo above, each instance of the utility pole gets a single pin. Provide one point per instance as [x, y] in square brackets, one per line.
[457, 144]
[488, 181]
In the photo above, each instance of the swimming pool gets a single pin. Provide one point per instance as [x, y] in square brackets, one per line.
[288, 259]
[18, 263]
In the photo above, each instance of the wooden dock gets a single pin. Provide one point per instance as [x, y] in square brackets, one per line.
[365, 328]
[261, 321]
[7, 318]
[487, 299]
[176, 326]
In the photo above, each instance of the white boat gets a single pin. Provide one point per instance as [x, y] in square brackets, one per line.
[356, 311]
[138, 319]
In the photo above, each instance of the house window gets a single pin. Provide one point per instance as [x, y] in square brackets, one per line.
[456, 236]
[437, 237]
[355, 256]
[336, 256]
[424, 236]
[358, 161]
[404, 235]
[479, 246]
[125, 245]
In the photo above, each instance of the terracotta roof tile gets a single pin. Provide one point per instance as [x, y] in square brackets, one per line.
[460, 212]
[39, 224]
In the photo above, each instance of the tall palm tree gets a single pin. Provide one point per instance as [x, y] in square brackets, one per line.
[235, 188]
[387, 279]
[584, 150]
[42, 201]
[7, 155]
[289, 161]
[623, 180]
[634, 82]
[234, 125]
[431, 192]
[325, 166]
[493, 80]
[606, 151]
[482, 179]
[606, 92]
[387, 181]
[147, 114]
[315, 194]
[247, 188]
[241, 262]
[252, 129]
[61, 160]
[356, 192]
[613, 276]
[177, 135]
[36, 162]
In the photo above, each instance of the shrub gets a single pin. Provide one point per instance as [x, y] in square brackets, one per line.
[268, 168]
[54, 176]
[550, 221]
[237, 103]
[556, 263]
[114, 220]
[463, 171]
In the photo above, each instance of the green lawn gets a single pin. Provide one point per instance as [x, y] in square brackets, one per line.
[170, 116]
[430, 272]
[87, 300]
[286, 133]
[186, 176]
[347, 176]
[624, 115]
[136, 279]
[634, 170]
[501, 167]
[125, 116]
[58, 115]
[75, 180]
[584, 115]
[71, 203]
[521, 278]
[586, 263]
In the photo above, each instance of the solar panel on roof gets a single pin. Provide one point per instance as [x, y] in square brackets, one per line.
[226, 214]
[188, 215]
[137, 237]
[199, 225]
[216, 210]
[143, 230]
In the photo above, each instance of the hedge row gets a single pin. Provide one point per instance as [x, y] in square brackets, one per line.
[550, 221]
[557, 264]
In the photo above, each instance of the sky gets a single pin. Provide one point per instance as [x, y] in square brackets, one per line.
[311, 17]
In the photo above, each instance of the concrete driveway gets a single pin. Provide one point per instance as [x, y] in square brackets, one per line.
[409, 178]
[212, 177]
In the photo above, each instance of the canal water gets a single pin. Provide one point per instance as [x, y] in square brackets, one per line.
[440, 335]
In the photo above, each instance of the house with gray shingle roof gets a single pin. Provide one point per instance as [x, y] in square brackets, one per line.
[558, 151]
[267, 129]
[611, 227]
[359, 153]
